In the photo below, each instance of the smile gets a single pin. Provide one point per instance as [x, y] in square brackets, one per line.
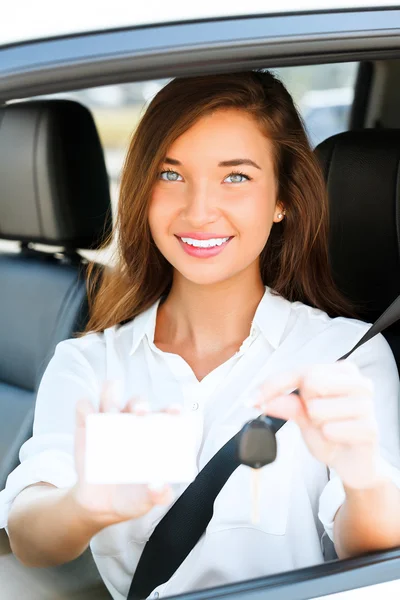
[211, 243]
[205, 248]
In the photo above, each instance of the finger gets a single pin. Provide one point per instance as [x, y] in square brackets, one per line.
[279, 385]
[350, 432]
[137, 406]
[83, 408]
[321, 410]
[160, 495]
[285, 407]
[109, 397]
[173, 409]
[335, 380]
[141, 408]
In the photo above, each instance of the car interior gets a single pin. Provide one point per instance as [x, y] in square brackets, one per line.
[56, 206]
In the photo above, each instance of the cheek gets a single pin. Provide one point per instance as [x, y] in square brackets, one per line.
[255, 216]
[160, 214]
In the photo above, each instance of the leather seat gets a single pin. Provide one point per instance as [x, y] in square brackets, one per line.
[362, 170]
[53, 191]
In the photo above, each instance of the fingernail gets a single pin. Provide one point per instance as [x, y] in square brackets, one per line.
[260, 399]
[249, 402]
[157, 487]
[174, 408]
[142, 407]
[114, 393]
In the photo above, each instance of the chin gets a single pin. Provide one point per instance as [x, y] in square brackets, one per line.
[202, 275]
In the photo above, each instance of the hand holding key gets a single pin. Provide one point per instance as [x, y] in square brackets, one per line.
[334, 410]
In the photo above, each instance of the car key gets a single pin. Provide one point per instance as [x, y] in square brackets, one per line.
[256, 448]
[256, 445]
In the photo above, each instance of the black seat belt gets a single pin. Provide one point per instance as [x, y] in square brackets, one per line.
[180, 529]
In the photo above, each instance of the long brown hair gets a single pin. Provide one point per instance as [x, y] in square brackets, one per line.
[294, 261]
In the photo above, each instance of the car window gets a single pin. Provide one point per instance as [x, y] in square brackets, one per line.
[324, 96]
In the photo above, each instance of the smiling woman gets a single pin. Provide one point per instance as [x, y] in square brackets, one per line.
[222, 302]
[195, 124]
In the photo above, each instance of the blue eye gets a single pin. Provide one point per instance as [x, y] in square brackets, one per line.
[237, 178]
[170, 176]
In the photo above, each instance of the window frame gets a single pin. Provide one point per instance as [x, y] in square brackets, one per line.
[312, 582]
[218, 45]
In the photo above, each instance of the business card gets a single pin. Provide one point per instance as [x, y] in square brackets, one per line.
[154, 449]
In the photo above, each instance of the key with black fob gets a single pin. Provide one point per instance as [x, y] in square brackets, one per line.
[256, 448]
[257, 443]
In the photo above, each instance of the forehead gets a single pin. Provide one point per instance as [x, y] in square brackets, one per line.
[223, 134]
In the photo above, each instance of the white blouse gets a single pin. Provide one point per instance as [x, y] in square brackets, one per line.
[298, 496]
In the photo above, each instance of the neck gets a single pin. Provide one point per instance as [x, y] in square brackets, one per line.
[209, 318]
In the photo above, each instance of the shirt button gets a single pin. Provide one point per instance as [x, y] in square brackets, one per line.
[156, 595]
[195, 405]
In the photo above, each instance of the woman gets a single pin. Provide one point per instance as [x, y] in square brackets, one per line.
[222, 284]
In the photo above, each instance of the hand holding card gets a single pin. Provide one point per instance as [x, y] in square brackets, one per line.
[122, 453]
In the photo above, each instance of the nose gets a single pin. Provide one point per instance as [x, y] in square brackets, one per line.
[200, 206]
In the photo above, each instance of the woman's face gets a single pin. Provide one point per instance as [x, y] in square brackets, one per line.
[214, 204]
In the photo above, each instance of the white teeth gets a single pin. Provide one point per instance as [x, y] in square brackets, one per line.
[205, 243]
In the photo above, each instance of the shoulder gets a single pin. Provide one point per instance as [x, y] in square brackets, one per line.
[346, 333]
[94, 346]
[319, 321]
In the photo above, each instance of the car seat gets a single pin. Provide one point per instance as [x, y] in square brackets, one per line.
[53, 191]
[362, 171]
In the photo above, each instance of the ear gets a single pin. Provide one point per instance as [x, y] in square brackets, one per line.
[279, 213]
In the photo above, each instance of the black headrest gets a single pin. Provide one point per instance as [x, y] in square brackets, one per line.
[53, 181]
[362, 170]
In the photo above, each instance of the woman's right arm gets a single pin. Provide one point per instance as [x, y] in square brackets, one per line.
[48, 527]
[52, 520]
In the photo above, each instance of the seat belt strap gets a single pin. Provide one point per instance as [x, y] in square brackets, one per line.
[181, 528]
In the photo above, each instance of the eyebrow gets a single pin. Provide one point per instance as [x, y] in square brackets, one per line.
[235, 162]
[172, 161]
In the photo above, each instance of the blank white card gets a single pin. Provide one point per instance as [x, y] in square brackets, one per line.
[125, 448]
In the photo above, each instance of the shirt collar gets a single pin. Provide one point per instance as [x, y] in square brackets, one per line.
[144, 325]
[270, 319]
[271, 316]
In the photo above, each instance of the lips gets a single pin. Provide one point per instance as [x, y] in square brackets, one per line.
[198, 235]
[203, 245]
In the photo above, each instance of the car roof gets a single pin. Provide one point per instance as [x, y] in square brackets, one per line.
[43, 19]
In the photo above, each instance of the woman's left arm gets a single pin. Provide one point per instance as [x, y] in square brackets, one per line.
[348, 415]
[368, 520]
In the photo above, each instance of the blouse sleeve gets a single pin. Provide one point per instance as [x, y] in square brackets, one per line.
[48, 455]
[376, 361]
